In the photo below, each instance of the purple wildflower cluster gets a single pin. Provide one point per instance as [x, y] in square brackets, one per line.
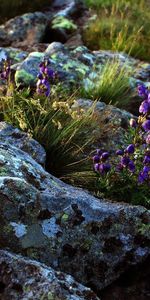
[45, 75]
[135, 158]
[5, 72]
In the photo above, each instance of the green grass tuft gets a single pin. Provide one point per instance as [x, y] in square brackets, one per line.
[111, 85]
[63, 133]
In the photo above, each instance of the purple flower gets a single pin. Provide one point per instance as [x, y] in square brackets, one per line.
[96, 167]
[99, 152]
[40, 76]
[125, 161]
[49, 72]
[96, 159]
[144, 174]
[142, 177]
[119, 167]
[119, 152]
[5, 72]
[104, 155]
[148, 139]
[130, 149]
[142, 90]
[107, 167]
[146, 169]
[144, 107]
[131, 166]
[148, 98]
[146, 159]
[133, 123]
[146, 125]
[104, 168]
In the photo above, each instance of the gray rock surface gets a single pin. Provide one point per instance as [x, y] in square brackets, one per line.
[26, 29]
[22, 141]
[112, 124]
[25, 279]
[65, 227]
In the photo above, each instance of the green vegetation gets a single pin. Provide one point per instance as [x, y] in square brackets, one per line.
[63, 133]
[120, 25]
[11, 8]
[111, 85]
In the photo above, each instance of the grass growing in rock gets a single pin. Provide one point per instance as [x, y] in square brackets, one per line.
[67, 134]
[63, 133]
[111, 85]
[119, 26]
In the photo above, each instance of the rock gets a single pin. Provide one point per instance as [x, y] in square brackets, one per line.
[26, 29]
[14, 54]
[74, 65]
[68, 8]
[22, 141]
[65, 227]
[22, 278]
[112, 124]
[59, 29]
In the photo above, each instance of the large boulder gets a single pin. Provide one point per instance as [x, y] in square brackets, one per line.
[22, 278]
[65, 227]
[28, 28]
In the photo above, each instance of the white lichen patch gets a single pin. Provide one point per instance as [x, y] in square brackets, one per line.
[20, 229]
[50, 228]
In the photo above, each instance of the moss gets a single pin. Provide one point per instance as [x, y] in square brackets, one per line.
[62, 22]
[23, 76]
[65, 217]
[3, 171]
[50, 296]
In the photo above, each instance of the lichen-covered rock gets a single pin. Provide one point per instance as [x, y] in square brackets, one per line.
[75, 66]
[26, 279]
[112, 124]
[65, 227]
[14, 54]
[22, 141]
[28, 28]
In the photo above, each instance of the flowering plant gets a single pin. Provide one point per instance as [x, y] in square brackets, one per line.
[127, 174]
[5, 71]
[44, 76]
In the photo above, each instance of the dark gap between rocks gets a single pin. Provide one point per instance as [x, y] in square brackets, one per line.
[134, 284]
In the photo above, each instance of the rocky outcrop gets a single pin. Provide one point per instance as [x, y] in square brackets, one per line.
[65, 227]
[22, 278]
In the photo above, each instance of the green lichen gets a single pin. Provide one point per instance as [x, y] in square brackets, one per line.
[3, 171]
[65, 217]
[23, 76]
[62, 22]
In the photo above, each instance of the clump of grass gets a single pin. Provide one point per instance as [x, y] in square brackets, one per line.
[120, 26]
[111, 85]
[63, 133]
